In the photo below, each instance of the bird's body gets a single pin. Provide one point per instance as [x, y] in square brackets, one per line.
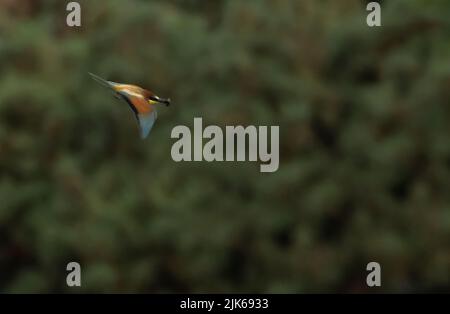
[141, 101]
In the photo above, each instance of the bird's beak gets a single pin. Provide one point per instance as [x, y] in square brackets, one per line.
[161, 100]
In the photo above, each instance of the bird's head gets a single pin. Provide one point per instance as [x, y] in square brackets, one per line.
[155, 100]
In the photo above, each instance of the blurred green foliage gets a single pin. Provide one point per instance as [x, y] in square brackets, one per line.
[364, 122]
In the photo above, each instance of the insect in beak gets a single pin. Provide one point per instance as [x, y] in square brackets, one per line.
[160, 100]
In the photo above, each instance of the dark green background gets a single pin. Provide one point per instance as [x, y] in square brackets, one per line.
[364, 116]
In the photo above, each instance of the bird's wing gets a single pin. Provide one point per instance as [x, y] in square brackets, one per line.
[146, 121]
[130, 104]
[145, 115]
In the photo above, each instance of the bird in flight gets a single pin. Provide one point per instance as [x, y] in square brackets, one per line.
[141, 101]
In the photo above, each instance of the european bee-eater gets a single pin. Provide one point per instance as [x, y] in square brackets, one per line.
[140, 100]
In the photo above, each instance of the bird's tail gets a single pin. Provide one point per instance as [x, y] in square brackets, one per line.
[101, 81]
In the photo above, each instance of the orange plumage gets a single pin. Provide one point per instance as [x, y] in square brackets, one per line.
[141, 101]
